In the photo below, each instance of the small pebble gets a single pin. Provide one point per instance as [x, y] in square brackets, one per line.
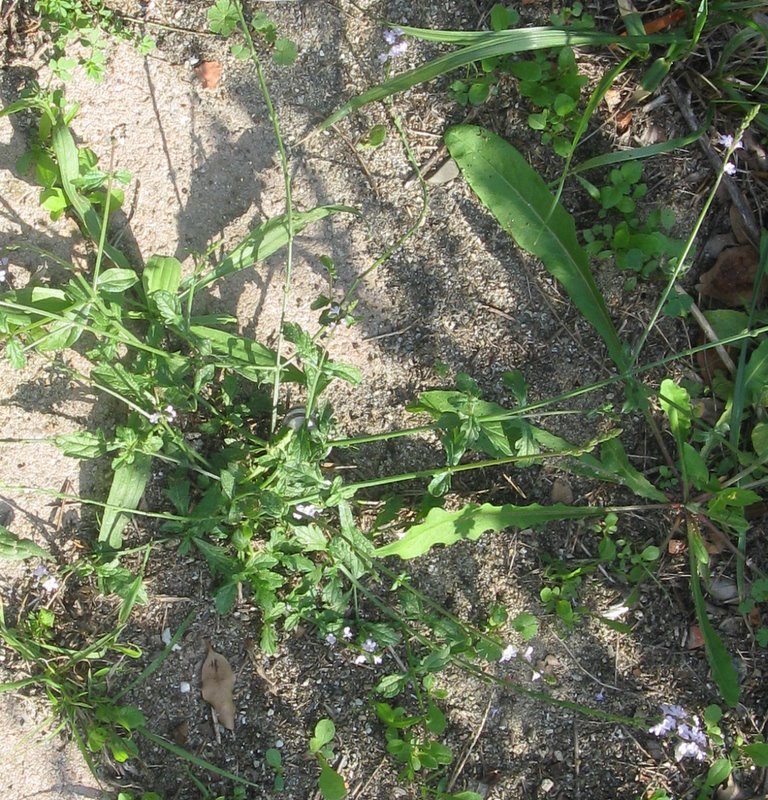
[184, 687]
[547, 785]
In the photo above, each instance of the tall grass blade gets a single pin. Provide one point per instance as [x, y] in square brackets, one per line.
[480, 45]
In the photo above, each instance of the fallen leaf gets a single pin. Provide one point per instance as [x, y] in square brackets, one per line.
[181, 733]
[218, 684]
[695, 638]
[731, 280]
[561, 492]
[623, 121]
[754, 616]
[710, 363]
[676, 547]
[209, 73]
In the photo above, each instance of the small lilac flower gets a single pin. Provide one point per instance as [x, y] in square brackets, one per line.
[154, 418]
[509, 652]
[370, 646]
[726, 140]
[397, 45]
[600, 696]
[330, 639]
[392, 36]
[730, 168]
[377, 660]
[305, 511]
[663, 728]
[689, 750]
[361, 659]
[347, 632]
[50, 584]
[40, 571]
[678, 712]
[528, 655]
[170, 413]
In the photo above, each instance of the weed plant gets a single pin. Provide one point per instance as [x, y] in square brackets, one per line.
[253, 496]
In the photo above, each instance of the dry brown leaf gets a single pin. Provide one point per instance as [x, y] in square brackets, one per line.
[731, 279]
[676, 547]
[218, 684]
[561, 492]
[181, 733]
[209, 73]
[695, 638]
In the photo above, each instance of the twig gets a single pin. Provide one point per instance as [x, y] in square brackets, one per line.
[460, 766]
[737, 198]
[709, 332]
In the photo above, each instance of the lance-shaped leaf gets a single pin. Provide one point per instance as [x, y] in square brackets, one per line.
[472, 521]
[521, 202]
[128, 486]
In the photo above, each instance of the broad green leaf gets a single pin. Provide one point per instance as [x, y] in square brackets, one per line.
[719, 771]
[676, 404]
[268, 238]
[13, 548]
[472, 521]
[285, 52]
[331, 784]
[760, 439]
[480, 45]
[162, 273]
[14, 352]
[695, 467]
[720, 662]
[758, 752]
[128, 484]
[116, 280]
[614, 466]
[325, 730]
[526, 209]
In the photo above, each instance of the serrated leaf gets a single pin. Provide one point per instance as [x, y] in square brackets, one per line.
[13, 548]
[285, 52]
[526, 209]
[614, 466]
[472, 521]
[268, 238]
[82, 444]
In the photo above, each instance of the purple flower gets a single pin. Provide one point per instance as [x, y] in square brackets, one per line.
[397, 45]
[369, 646]
[347, 632]
[689, 750]
[509, 652]
[663, 728]
[330, 639]
[678, 712]
[730, 168]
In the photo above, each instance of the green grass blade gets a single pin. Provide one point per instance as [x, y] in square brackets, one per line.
[636, 153]
[472, 521]
[481, 45]
[128, 486]
[720, 662]
[267, 239]
[521, 202]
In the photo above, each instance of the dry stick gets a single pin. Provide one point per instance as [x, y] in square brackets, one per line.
[737, 198]
[475, 737]
[709, 332]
